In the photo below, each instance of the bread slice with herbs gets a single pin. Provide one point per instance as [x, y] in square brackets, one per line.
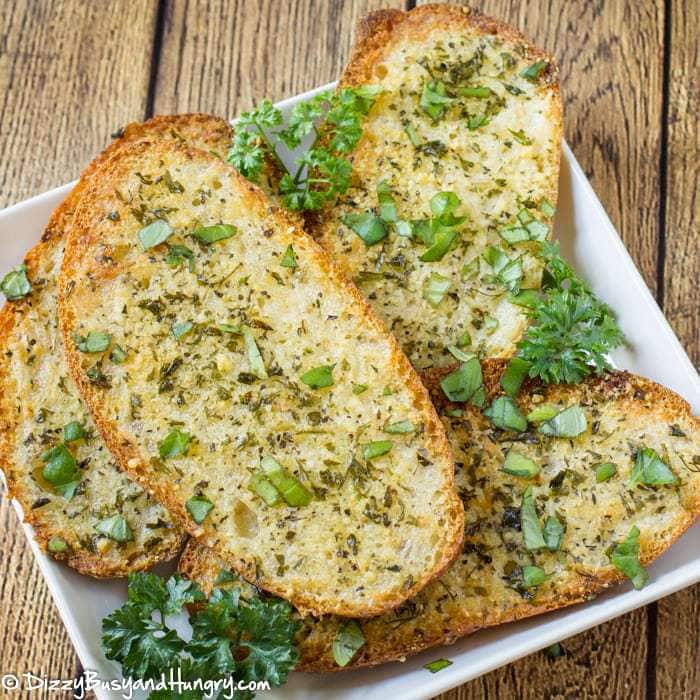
[88, 513]
[551, 520]
[454, 179]
[258, 396]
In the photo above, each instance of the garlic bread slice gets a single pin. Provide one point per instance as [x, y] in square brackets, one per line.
[259, 398]
[89, 514]
[454, 178]
[550, 521]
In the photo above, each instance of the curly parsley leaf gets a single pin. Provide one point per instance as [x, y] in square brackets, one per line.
[571, 331]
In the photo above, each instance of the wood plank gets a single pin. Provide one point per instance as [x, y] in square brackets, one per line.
[70, 72]
[611, 80]
[677, 641]
[223, 57]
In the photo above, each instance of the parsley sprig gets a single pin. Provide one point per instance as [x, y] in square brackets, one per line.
[251, 640]
[333, 120]
[571, 331]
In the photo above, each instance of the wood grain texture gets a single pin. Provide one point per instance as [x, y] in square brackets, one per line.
[70, 73]
[223, 57]
[677, 672]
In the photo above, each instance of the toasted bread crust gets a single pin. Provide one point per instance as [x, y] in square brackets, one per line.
[82, 241]
[446, 611]
[384, 154]
[15, 323]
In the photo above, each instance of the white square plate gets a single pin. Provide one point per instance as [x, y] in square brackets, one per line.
[592, 245]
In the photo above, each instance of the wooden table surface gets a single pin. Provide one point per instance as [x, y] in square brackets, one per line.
[72, 71]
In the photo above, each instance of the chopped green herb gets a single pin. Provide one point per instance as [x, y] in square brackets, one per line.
[533, 576]
[289, 259]
[530, 523]
[514, 234]
[289, 487]
[368, 226]
[465, 383]
[401, 427]
[229, 328]
[116, 528]
[553, 533]
[521, 137]
[604, 472]
[175, 444]
[177, 254]
[61, 470]
[459, 354]
[319, 377]
[15, 284]
[437, 665]
[387, 205]
[358, 389]
[73, 431]
[568, 423]
[528, 298]
[224, 576]
[546, 208]
[117, 355]
[94, 341]
[437, 251]
[255, 360]
[376, 449]
[57, 544]
[264, 488]
[475, 91]
[624, 556]
[514, 375]
[199, 507]
[181, 329]
[476, 121]
[348, 640]
[517, 464]
[155, 233]
[543, 412]
[533, 72]
[505, 414]
[212, 234]
[435, 288]
[464, 340]
[434, 99]
[508, 272]
[650, 470]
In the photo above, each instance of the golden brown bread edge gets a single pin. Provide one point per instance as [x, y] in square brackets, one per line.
[315, 638]
[205, 127]
[134, 463]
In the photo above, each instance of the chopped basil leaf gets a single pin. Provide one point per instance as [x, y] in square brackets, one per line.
[533, 72]
[376, 449]
[517, 464]
[505, 414]
[177, 254]
[530, 523]
[229, 328]
[116, 528]
[553, 533]
[533, 576]
[525, 217]
[475, 91]
[155, 233]
[413, 135]
[464, 383]
[263, 487]
[400, 427]
[459, 354]
[15, 284]
[319, 377]
[521, 137]
[175, 444]
[358, 389]
[348, 640]
[289, 259]
[543, 412]
[404, 229]
[650, 470]
[94, 341]
[464, 340]
[212, 234]
[605, 471]
[568, 423]
[624, 556]
[477, 120]
[368, 226]
[290, 488]
[437, 251]
[437, 665]
[180, 329]
[73, 431]
[57, 544]
[434, 99]
[61, 470]
[508, 272]
[529, 298]
[514, 234]
[387, 205]
[546, 208]
[444, 203]
[537, 231]
[199, 507]
[515, 374]
[118, 355]
[255, 360]
[435, 288]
